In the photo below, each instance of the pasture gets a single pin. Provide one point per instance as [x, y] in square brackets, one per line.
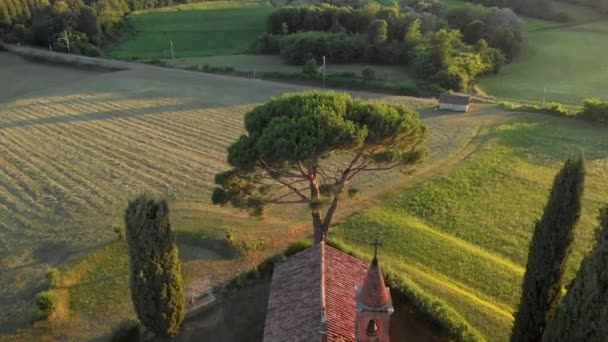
[464, 236]
[563, 62]
[568, 61]
[202, 29]
[76, 145]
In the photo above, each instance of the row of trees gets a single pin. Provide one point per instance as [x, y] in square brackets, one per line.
[581, 315]
[350, 20]
[373, 33]
[87, 24]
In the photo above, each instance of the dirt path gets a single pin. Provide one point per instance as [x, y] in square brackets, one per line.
[487, 118]
[117, 65]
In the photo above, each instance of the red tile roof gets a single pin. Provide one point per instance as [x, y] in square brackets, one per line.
[342, 273]
[374, 293]
[296, 300]
[294, 306]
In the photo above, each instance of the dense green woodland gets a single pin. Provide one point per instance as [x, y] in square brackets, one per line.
[88, 24]
[445, 50]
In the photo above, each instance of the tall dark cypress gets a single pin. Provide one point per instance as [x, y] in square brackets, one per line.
[551, 244]
[156, 277]
[583, 313]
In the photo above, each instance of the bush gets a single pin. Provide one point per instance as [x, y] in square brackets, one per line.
[556, 109]
[311, 67]
[266, 267]
[126, 331]
[267, 44]
[451, 79]
[54, 277]
[595, 110]
[120, 231]
[17, 35]
[46, 302]
[368, 74]
[297, 247]
[551, 108]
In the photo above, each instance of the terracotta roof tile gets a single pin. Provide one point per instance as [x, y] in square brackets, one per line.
[374, 293]
[342, 273]
[294, 306]
[295, 303]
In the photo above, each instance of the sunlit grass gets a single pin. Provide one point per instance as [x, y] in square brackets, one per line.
[203, 29]
[472, 227]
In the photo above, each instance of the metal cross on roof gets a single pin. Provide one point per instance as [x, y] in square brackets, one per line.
[376, 244]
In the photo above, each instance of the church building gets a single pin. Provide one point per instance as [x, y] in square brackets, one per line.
[322, 294]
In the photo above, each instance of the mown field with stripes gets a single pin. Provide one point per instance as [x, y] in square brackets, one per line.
[75, 145]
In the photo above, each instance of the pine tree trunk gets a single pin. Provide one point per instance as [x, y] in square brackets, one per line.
[329, 216]
[317, 222]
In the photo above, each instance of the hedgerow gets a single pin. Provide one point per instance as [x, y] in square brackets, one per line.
[435, 310]
[592, 110]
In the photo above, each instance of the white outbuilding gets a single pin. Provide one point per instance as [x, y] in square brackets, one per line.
[455, 102]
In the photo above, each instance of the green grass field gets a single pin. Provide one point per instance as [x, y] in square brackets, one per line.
[563, 62]
[464, 237]
[568, 61]
[203, 29]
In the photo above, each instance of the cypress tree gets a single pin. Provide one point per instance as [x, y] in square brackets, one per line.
[549, 249]
[583, 313]
[156, 278]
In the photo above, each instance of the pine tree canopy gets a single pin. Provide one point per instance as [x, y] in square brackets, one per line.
[306, 148]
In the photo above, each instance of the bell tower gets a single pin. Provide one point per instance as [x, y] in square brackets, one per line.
[374, 305]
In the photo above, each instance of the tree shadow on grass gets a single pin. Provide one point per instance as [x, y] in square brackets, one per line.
[407, 324]
[101, 115]
[196, 246]
[238, 317]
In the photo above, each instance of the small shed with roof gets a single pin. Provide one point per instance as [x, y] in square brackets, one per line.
[455, 102]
